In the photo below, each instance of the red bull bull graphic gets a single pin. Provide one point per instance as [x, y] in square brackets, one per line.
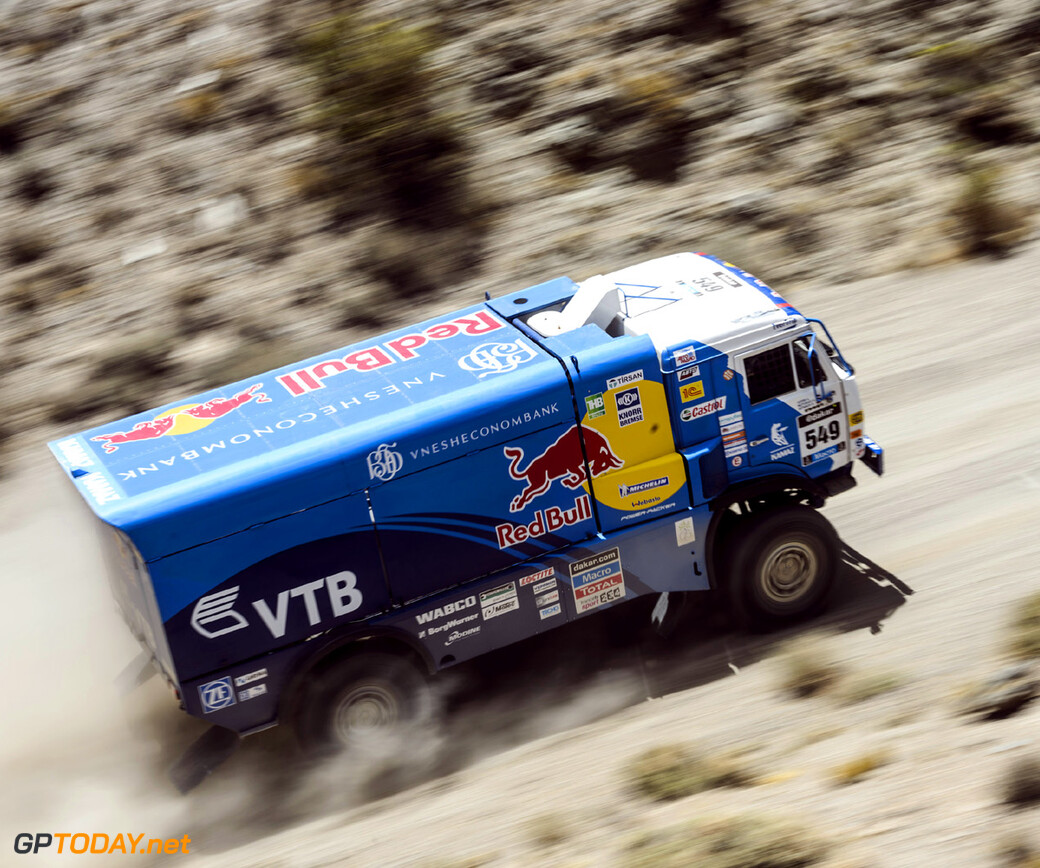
[563, 460]
[182, 420]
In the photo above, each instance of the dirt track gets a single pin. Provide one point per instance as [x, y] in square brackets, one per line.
[947, 360]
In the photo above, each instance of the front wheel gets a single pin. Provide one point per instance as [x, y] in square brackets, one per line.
[362, 702]
[781, 565]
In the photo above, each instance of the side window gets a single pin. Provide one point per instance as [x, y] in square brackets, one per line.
[801, 362]
[769, 373]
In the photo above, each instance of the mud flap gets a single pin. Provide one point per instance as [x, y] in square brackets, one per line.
[667, 612]
[135, 673]
[204, 755]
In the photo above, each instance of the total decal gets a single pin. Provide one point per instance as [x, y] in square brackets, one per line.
[215, 615]
[185, 419]
[597, 580]
[490, 358]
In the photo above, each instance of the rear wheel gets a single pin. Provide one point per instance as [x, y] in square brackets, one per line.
[781, 565]
[361, 702]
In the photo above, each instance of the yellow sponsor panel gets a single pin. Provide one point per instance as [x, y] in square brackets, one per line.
[692, 391]
[856, 418]
[650, 437]
[642, 486]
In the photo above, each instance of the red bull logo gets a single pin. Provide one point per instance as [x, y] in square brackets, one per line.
[563, 460]
[545, 521]
[182, 420]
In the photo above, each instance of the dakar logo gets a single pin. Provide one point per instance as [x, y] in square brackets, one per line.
[563, 460]
[182, 420]
[383, 462]
[498, 358]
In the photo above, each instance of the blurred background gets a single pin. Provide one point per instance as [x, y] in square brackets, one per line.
[195, 192]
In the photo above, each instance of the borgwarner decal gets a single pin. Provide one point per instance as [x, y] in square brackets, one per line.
[562, 460]
[402, 349]
[182, 420]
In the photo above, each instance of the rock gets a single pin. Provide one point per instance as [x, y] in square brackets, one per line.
[215, 215]
[146, 250]
[1003, 694]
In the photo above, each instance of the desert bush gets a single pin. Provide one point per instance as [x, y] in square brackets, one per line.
[807, 667]
[194, 111]
[862, 686]
[26, 246]
[375, 98]
[757, 840]
[957, 68]
[988, 223]
[859, 767]
[548, 830]
[669, 772]
[1024, 639]
[1021, 784]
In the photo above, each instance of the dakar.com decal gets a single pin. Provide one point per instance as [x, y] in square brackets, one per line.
[78, 843]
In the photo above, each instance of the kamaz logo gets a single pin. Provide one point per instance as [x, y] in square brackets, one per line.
[499, 358]
[383, 462]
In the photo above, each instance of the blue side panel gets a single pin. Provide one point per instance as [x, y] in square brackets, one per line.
[270, 586]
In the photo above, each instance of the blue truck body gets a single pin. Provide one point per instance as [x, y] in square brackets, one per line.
[462, 484]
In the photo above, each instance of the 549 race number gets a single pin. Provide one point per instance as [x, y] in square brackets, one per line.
[822, 435]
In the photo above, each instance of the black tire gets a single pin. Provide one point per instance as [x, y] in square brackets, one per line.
[780, 566]
[362, 701]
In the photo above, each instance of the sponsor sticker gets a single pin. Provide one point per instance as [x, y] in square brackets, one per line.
[782, 453]
[446, 610]
[692, 391]
[727, 374]
[252, 692]
[534, 577]
[542, 587]
[498, 601]
[595, 406]
[688, 373]
[545, 599]
[624, 380]
[216, 695]
[457, 635]
[639, 487]
[732, 418]
[823, 454]
[856, 418]
[250, 677]
[597, 580]
[726, 278]
[684, 532]
[549, 612]
[629, 406]
[736, 461]
[685, 357]
[708, 408]
[383, 462]
[498, 358]
[736, 449]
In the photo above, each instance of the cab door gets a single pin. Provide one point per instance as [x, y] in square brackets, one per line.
[793, 408]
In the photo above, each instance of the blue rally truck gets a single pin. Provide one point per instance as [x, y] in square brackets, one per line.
[311, 545]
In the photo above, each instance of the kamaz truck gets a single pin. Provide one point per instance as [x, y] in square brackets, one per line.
[313, 545]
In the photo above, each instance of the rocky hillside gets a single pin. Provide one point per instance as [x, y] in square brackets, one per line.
[194, 192]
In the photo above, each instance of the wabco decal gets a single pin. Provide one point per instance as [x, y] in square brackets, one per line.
[562, 460]
[402, 349]
[182, 420]
[545, 521]
[445, 610]
[214, 614]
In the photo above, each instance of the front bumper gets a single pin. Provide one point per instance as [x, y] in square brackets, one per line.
[873, 456]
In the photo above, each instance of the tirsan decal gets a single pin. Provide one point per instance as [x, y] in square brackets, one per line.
[402, 349]
[624, 379]
[705, 409]
[688, 373]
[475, 434]
[626, 490]
[342, 594]
[383, 462]
[498, 601]
[182, 420]
[776, 434]
[445, 610]
[692, 391]
[629, 406]
[545, 521]
[534, 577]
[500, 358]
[562, 460]
[216, 695]
[597, 580]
